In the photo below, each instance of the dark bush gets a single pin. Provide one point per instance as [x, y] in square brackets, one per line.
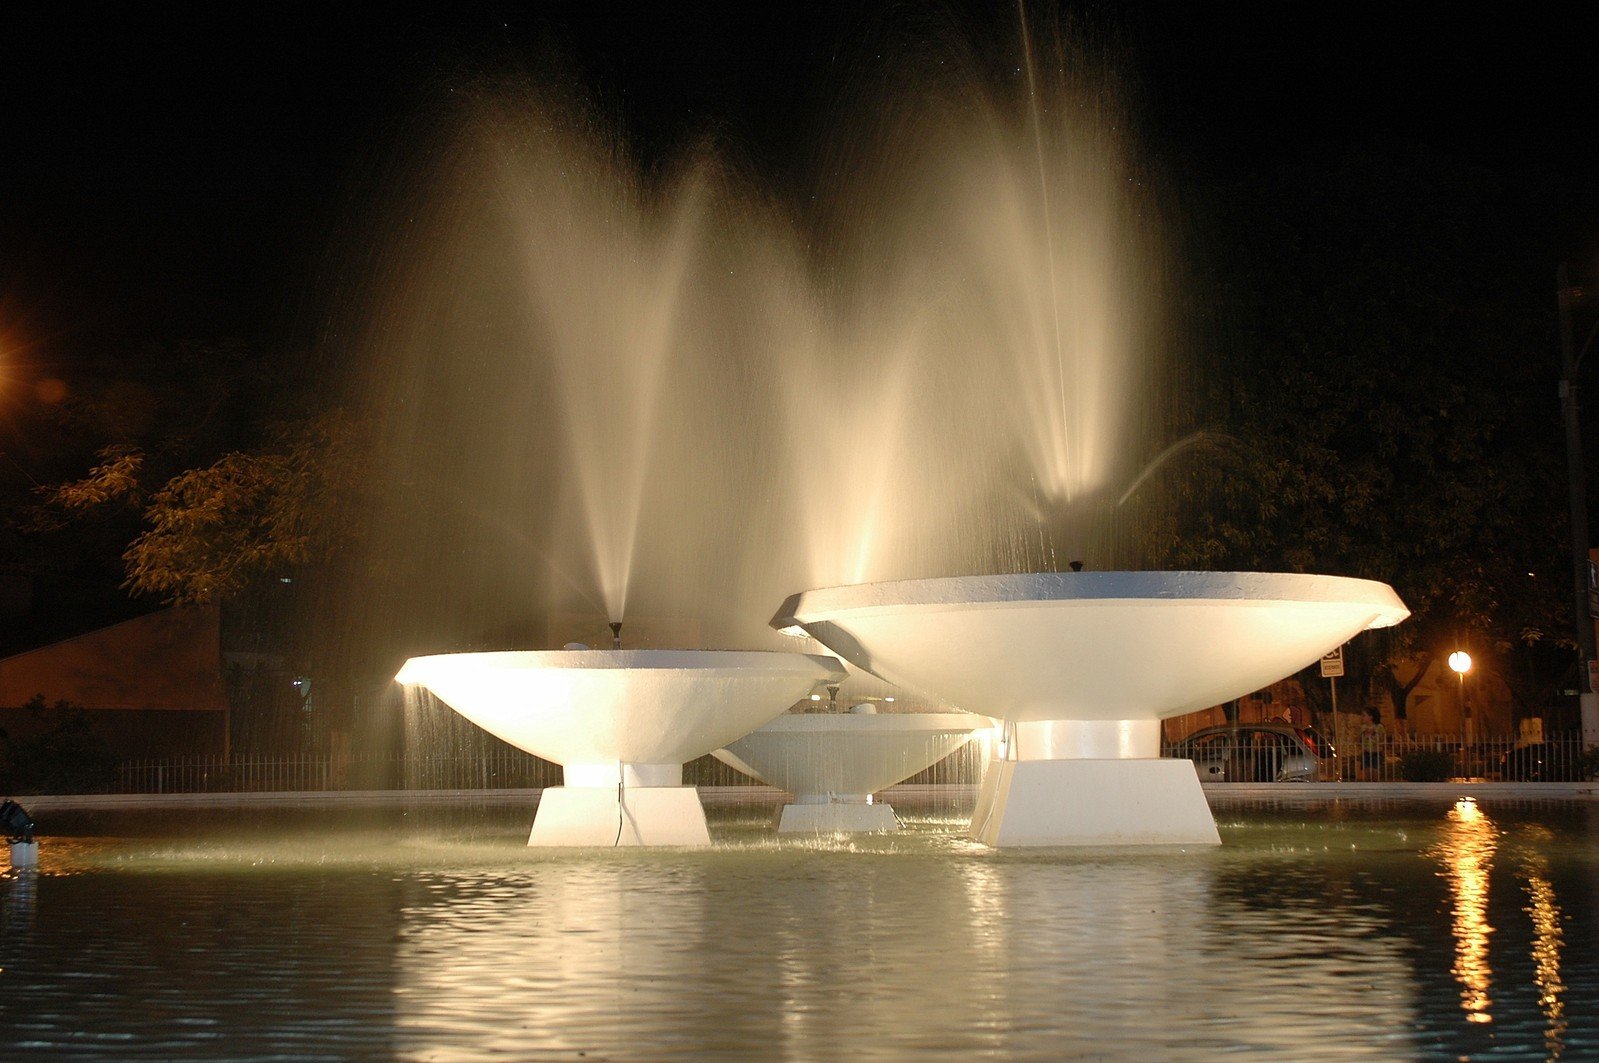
[1426, 765]
[66, 758]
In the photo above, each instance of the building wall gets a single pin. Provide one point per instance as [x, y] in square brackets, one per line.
[151, 686]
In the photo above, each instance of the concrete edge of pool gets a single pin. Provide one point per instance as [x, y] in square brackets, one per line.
[725, 795]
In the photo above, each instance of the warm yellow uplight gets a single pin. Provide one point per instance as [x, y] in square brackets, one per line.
[1460, 661]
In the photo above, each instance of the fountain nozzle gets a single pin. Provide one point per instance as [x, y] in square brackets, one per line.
[616, 634]
[1077, 566]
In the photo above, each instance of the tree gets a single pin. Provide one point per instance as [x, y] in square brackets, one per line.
[1362, 341]
[213, 533]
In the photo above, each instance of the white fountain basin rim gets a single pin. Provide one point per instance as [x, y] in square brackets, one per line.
[876, 723]
[603, 708]
[1086, 589]
[707, 663]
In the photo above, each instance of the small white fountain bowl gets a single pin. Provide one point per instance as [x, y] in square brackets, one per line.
[834, 762]
[1091, 645]
[621, 723]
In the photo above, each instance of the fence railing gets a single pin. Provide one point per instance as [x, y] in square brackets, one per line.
[1262, 755]
[488, 770]
[1412, 759]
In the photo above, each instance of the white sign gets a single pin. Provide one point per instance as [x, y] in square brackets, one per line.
[1332, 665]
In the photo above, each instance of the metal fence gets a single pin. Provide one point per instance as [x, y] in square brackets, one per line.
[498, 769]
[487, 770]
[1430, 758]
[1424, 758]
[1264, 755]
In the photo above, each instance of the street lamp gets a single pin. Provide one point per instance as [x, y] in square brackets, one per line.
[1460, 662]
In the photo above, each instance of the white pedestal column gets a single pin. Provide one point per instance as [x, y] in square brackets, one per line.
[649, 807]
[836, 814]
[1091, 782]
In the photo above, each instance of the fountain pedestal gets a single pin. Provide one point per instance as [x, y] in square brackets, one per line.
[1090, 782]
[620, 804]
[836, 814]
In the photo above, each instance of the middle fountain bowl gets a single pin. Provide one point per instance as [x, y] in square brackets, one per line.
[834, 762]
[621, 723]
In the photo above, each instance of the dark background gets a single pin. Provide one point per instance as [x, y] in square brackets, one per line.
[170, 175]
[171, 179]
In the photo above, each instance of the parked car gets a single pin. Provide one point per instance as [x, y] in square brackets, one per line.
[1542, 762]
[1259, 752]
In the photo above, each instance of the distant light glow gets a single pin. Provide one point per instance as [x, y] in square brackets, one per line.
[816, 697]
[1460, 661]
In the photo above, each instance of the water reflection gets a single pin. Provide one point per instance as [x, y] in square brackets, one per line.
[1547, 932]
[1306, 943]
[1466, 852]
[1305, 936]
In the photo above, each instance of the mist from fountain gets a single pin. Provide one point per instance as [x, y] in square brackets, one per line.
[614, 388]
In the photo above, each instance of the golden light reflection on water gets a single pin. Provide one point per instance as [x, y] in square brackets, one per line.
[1467, 852]
[1547, 938]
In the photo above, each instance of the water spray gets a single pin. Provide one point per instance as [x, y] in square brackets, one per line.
[616, 634]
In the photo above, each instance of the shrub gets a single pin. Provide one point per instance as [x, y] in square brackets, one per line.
[1426, 765]
[68, 758]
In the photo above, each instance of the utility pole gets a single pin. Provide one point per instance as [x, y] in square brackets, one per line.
[1576, 479]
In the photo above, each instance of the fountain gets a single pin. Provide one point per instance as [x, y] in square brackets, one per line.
[1082, 667]
[612, 385]
[621, 723]
[833, 762]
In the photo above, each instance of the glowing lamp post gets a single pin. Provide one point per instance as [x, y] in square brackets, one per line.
[1460, 662]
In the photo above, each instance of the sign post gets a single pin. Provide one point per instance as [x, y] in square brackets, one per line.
[1332, 666]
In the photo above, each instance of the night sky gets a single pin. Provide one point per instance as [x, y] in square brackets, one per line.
[167, 176]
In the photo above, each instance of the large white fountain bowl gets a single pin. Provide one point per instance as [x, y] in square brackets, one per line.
[1091, 645]
[834, 762]
[605, 707]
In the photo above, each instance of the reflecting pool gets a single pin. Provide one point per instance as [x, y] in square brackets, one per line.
[1319, 929]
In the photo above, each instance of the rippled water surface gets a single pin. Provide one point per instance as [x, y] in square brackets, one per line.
[1338, 930]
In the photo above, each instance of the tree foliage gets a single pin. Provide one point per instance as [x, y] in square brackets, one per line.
[1378, 355]
[211, 532]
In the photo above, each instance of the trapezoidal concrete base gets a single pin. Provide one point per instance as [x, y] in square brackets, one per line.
[1092, 802]
[836, 817]
[644, 815]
